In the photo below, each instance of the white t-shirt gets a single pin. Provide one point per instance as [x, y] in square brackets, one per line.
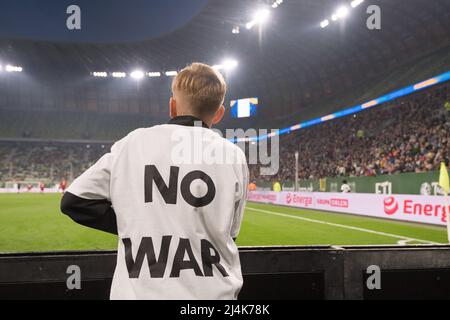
[345, 188]
[176, 218]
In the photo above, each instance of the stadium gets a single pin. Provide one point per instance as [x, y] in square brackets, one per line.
[342, 109]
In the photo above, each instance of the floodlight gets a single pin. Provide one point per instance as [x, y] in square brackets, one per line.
[356, 3]
[137, 74]
[119, 74]
[229, 64]
[324, 23]
[342, 12]
[218, 67]
[10, 68]
[261, 16]
[250, 25]
[154, 74]
[101, 74]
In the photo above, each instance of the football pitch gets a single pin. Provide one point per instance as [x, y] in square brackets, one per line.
[33, 223]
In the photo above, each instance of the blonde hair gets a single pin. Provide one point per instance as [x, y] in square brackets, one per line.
[203, 87]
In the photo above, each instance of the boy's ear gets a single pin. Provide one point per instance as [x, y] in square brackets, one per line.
[172, 107]
[219, 115]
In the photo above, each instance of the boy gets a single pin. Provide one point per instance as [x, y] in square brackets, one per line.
[176, 219]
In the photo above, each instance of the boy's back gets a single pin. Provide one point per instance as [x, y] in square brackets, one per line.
[177, 193]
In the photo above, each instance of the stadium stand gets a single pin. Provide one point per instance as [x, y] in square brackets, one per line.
[46, 161]
[407, 135]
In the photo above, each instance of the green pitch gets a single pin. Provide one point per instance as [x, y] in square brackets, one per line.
[32, 222]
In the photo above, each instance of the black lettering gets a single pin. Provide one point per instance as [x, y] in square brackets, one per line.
[146, 248]
[180, 264]
[209, 260]
[169, 193]
[186, 189]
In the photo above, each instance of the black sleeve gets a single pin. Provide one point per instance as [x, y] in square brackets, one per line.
[96, 214]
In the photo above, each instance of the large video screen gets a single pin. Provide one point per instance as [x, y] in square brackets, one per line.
[244, 108]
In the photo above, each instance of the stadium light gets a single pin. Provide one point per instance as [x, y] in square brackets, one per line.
[236, 30]
[218, 67]
[334, 17]
[342, 12]
[137, 74]
[101, 74]
[250, 25]
[154, 74]
[10, 68]
[229, 64]
[356, 3]
[260, 17]
[119, 74]
[277, 3]
[324, 23]
[171, 73]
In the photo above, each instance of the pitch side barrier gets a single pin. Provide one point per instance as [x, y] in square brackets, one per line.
[410, 208]
[270, 273]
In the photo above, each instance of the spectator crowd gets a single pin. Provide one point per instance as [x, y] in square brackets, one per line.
[410, 134]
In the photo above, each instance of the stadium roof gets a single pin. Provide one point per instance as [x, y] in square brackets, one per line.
[291, 64]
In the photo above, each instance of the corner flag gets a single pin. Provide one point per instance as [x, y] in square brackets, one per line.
[445, 185]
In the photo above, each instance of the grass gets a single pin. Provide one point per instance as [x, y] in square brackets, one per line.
[32, 222]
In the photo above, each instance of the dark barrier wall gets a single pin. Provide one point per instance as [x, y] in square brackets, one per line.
[417, 272]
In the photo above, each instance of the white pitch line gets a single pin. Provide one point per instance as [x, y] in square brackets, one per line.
[343, 226]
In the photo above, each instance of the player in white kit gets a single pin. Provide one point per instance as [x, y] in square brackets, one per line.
[176, 215]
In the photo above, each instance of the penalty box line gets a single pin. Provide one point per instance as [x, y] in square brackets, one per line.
[402, 239]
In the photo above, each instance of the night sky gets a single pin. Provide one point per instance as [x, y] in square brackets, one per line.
[101, 20]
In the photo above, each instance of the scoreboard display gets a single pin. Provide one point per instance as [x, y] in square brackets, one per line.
[244, 108]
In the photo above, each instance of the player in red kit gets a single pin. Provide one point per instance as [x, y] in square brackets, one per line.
[63, 185]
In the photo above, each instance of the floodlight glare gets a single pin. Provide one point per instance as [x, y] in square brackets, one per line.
[218, 67]
[229, 64]
[119, 74]
[342, 12]
[261, 16]
[324, 23]
[154, 74]
[171, 73]
[250, 25]
[334, 17]
[137, 74]
[101, 74]
[356, 3]
[10, 68]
